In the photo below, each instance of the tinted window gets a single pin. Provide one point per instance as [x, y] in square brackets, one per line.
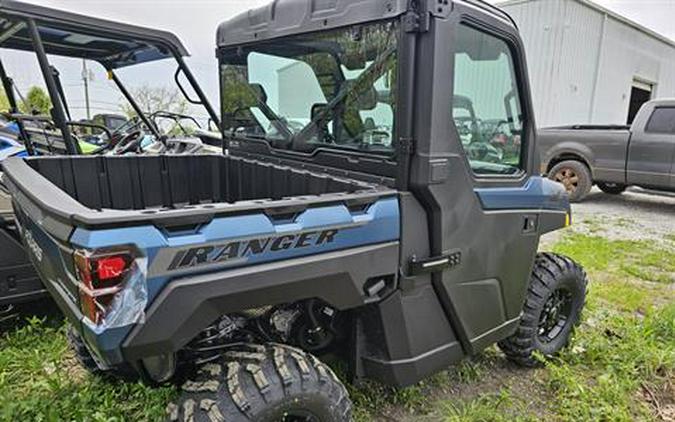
[662, 120]
[486, 105]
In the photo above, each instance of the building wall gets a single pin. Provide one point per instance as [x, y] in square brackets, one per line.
[582, 61]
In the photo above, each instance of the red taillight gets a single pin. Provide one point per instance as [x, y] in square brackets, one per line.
[101, 276]
[110, 267]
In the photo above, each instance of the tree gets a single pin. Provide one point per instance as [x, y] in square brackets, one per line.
[37, 101]
[152, 99]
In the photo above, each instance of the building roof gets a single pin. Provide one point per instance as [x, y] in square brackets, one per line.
[607, 12]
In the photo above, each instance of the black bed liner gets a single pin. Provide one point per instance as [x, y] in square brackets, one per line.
[171, 190]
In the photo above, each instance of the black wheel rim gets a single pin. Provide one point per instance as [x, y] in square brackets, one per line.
[555, 315]
[299, 415]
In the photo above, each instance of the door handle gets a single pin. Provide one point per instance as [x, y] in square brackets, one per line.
[530, 224]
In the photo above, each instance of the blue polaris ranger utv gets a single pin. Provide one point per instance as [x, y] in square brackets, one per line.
[357, 212]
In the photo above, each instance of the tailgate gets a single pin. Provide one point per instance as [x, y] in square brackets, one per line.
[52, 258]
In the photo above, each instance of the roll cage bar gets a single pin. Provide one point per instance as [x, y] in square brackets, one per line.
[114, 45]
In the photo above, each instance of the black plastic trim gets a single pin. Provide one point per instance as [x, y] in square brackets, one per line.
[187, 305]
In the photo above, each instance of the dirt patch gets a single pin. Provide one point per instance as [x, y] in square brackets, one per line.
[486, 375]
[635, 215]
[661, 400]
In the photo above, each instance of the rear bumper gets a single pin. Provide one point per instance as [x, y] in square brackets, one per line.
[188, 305]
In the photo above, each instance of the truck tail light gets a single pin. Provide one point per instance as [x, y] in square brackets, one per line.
[102, 277]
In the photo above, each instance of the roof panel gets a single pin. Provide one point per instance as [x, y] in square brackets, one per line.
[113, 44]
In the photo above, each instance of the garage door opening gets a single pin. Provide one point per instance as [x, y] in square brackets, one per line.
[640, 93]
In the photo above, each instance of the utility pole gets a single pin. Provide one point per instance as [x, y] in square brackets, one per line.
[85, 79]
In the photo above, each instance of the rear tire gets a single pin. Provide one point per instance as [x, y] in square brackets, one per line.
[265, 383]
[555, 299]
[612, 188]
[574, 176]
[86, 359]
[82, 354]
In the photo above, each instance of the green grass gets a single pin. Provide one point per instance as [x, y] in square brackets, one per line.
[626, 346]
[494, 407]
[620, 366]
[40, 380]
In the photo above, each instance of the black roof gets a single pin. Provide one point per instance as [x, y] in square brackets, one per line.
[287, 17]
[113, 44]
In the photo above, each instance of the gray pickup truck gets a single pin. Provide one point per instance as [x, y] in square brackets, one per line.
[613, 157]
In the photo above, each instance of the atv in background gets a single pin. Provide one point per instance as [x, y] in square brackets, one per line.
[53, 35]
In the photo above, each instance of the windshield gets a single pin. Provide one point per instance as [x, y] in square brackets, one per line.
[332, 89]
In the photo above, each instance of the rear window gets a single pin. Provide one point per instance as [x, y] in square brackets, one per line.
[662, 121]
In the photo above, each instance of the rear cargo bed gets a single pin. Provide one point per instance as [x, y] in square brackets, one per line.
[132, 189]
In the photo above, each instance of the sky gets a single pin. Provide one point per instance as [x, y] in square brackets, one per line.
[196, 21]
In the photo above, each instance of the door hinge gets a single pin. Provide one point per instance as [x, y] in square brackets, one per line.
[411, 22]
[417, 17]
[434, 263]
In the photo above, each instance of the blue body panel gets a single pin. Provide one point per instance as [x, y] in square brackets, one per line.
[11, 148]
[539, 193]
[377, 224]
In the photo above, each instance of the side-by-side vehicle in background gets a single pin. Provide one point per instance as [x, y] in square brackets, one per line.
[613, 157]
[50, 33]
[349, 217]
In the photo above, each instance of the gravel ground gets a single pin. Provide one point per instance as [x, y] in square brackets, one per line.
[635, 215]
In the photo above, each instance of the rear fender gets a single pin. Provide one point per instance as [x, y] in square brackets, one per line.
[569, 150]
[188, 305]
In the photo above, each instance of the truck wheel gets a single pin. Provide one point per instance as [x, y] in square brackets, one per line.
[575, 176]
[85, 358]
[553, 305]
[265, 383]
[612, 188]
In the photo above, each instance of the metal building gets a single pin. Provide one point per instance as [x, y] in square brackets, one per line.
[588, 64]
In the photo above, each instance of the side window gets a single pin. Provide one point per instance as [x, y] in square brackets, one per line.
[486, 105]
[662, 120]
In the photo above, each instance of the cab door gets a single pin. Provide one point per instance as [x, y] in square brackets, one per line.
[483, 205]
[652, 148]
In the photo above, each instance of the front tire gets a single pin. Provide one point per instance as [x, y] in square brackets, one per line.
[575, 176]
[265, 383]
[555, 298]
[612, 188]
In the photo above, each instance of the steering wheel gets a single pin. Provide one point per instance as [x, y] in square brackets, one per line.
[478, 150]
[129, 143]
